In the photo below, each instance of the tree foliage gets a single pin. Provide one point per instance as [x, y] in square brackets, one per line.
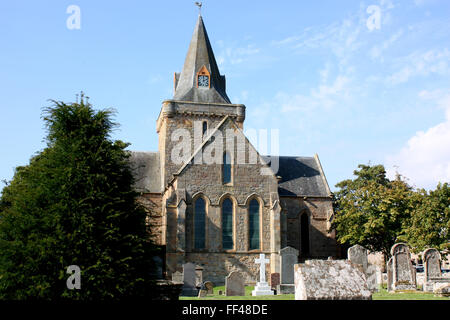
[74, 205]
[429, 225]
[375, 212]
[370, 210]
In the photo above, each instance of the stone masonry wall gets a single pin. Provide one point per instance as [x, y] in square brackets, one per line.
[152, 202]
[319, 210]
[185, 118]
[205, 180]
[216, 266]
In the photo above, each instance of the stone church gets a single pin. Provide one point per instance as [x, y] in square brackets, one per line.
[222, 214]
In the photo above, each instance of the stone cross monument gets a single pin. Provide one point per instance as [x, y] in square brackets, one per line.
[262, 288]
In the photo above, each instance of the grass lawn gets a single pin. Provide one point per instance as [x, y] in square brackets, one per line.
[248, 296]
[382, 295]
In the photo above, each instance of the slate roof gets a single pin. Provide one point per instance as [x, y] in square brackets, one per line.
[146, 171]
[301, 176]
[200, 54]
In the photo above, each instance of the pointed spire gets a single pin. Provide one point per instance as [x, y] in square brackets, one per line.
[200, 59]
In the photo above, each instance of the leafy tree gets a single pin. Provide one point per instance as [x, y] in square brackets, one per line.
[370, 210]
[74, 205]
[429, 225]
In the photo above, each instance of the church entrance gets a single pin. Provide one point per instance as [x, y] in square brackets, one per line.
[304, 235]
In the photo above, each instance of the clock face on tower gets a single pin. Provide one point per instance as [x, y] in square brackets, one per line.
[203, 81]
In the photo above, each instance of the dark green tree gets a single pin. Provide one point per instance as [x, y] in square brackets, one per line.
[371, 210]
[74, 205]
[429, 225]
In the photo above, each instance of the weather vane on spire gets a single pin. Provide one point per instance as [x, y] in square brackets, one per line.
[199, 5]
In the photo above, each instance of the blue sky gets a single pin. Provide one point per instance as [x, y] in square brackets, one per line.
[325, 73]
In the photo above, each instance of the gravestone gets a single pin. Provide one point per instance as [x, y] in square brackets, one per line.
[274, 280]
[433, 279]
[403, 272]
[202, 293]
[358, 254]
[198, 276]
[234, 284]
[209, 287]
[262, 288]
[330, 280]
[189, 283]
[177, 276]
[432, 261]
[373, 277]
[288, 258]
[389, 273]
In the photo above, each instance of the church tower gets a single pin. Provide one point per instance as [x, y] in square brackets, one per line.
[199, 103]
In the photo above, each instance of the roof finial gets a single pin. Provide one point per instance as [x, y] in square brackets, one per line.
[199, 5]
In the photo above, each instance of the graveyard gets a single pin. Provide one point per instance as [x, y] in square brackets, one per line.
[381, 295]
[353, 278]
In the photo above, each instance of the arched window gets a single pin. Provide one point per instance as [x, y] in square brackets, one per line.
[227, 224]
[199, 223]
[226, 169]
[253, 212]
[304, 231]
[204, 128]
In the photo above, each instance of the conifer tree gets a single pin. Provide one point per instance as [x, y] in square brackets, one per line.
[74, 204]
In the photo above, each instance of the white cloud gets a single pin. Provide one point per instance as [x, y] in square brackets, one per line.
[342, 38]
[324, 96]
[377, 51]
[232, 54]
[421, 64]
[425, 159]
[420, 3]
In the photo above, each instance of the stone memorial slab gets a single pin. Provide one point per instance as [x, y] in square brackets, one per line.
[288, 258]
[198, 276]
[189, 283]
[403, 272]
[433, 279]
[177, 276]
[389, 273]
[358, 254]
[202, 293]
[373, 277]
[274, 280]
[234, 284]
[209, 287]
[432, 263]
[330, 280]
